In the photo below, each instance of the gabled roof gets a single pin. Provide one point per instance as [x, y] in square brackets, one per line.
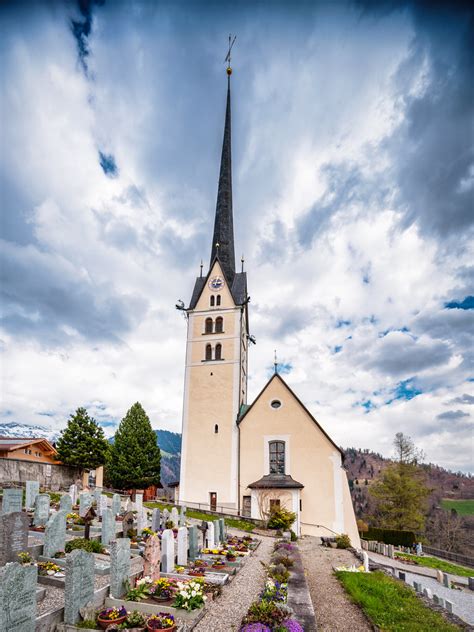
[9, 444]
[276, 481]
[237, 288]
[244, 413]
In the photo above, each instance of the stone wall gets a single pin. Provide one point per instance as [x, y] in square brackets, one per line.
[54, 477]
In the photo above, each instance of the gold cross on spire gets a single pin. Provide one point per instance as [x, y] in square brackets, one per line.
[227, 58]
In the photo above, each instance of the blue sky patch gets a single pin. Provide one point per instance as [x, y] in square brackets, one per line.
[343, 323]
[108, 164]
[337, 348]
[467, 303]
[406, 389]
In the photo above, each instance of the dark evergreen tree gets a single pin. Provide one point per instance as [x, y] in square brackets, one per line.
[134, 460]
[82, 443]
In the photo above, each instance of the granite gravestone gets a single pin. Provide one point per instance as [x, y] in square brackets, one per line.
[141, 521]
[18, 598]
[12, 500]
[13, 536]
[156, 520]
[151, 557]
[66, 503]
[139, 502]
[182, 516]
[166, 517]
[41, 516]
[73, 493]
[32, 490]
[116, 504]
[55, 534]
[217, 532]
[167, 551]
[193, 542]
[79, 584]
[119, 566]
[97, 494]
[210, 535]
[85, 503]
[175, 517]
[365, 561]
[102, 504]
[222, 529]
[108, 527]
[127, 522]
[182, 546]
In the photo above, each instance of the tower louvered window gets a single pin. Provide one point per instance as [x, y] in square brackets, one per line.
[212, 300]
[218, 299]
[219, 325]
[208, 326]
[218, 355]
[208, 352]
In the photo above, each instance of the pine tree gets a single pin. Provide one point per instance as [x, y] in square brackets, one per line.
[134, 460]
[82, 443]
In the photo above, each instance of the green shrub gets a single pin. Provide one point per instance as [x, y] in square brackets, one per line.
[55, 497]
[343, 541]
[281, 519]
[88, 624]
[281, 558]
[391, 536]
[294, 537]
[265, 612]
[91, 546]
[279, 573]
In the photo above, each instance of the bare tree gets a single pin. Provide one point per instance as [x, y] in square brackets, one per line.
[264, 496]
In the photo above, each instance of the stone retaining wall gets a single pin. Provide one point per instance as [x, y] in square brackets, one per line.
[54, 477]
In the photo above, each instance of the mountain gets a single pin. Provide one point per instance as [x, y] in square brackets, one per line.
[12, 429]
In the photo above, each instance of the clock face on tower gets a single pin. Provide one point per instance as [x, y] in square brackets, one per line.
[216, 283]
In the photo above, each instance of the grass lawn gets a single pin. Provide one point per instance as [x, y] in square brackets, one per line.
[391, 605]
[235, 523]
[463, 507]
[434, 562]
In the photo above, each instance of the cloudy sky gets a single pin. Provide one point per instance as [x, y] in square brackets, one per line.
[353, 201]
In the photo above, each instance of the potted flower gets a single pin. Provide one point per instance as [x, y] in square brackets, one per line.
[25, 559]
[230, 555]
[140, 591]
[135, 620]
[161, 621]
[49, 568]
[190, 595]
[111, 615]
[219, 564]
[162, 589]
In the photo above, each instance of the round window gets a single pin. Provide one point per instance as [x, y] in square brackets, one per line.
[275, 403]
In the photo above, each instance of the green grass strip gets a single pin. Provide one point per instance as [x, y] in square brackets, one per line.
[391, 605]
[462, 507]
[235, 523]
[434, 562]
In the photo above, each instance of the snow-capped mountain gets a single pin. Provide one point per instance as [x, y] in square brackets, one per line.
[13, 429]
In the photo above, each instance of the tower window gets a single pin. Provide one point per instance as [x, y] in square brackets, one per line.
[216, 428]
[218, 355]
[219, 325]
[208, 352]
[212, 300]
[208, 326]
[277, 457]
[218, 299]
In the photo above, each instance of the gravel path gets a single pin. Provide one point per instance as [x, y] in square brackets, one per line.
[334, 611]
[227, 611]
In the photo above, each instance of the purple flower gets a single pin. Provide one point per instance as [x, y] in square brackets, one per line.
[292, 625]
[256, 627]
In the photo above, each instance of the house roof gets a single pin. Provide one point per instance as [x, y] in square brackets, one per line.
[276, 481]
[9, 444]
[244, 412]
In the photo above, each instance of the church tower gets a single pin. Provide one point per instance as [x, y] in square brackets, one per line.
[215, 385]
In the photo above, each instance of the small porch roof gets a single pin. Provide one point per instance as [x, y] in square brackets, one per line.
[276, 481]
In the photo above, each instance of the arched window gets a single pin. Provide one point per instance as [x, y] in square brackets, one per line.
[218, 355]
[208, 352]
[208, 326]
[218, 299]
[219, 325]
[277, 457]
[216, 428]
[212, 300]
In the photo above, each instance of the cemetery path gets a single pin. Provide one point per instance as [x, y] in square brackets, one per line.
[334, 611]
[225, 614]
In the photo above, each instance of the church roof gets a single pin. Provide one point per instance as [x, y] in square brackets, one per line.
[238, 288]
[244, 413]
[276, 481]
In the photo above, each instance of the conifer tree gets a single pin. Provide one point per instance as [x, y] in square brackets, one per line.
[134, 460]
[82, 443]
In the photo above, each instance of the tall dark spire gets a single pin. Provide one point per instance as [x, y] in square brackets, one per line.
[223, 238]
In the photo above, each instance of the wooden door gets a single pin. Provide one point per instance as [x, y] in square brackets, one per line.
[213, 500]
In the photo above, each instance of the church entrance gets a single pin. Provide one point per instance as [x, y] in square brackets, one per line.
[213, 501]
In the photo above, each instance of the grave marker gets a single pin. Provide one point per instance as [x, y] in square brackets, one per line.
[222, 529]
[151, 557]
[12, 500]
[73, 493]
[13, 536]
[166, 517]
[210, 535]
[32, 490]
[449, 606]
[108, 527]
[119, 566]
[102, 504]
[167, 551]
[66, 503]
[175, 517]
[85, 503]
[365, 561]
[18, 597]
[446, 581]
[217, 532]
[41, 516]
[182, 516]
[55, 534]
[193, 542]
[182, 546]
[116, 505]
[78, 584]
[127, 523]
[402, 575]
[156, 520]
[141, 521]
[139, 502]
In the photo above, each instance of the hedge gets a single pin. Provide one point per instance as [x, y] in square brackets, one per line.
[390, 536]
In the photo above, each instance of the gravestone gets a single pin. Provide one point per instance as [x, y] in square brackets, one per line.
[222, 529]
[32, 490]
[116, 505]
[438, 600]
[156, 520]
[78, 584]
[203, 529]
[402, 575]
[66, 503]
[88, 519]
[446, 581]
[129, 505]
[182, 546]
[217, 532]
[141, 521]
[128, 520]
[439, 576]
[119, 566]
[85, 503]
[102, 504]
[419, 548]
[175, 517]
[97, 494]
[449, 606]
[55, 534]
[193, 542]
[41, 516]
[470, 583]
[12, 500]
[182, 516]
[18, 598]
[167, 551]
[365, 561]
[151, 557]
[139, 502]
[418, 587]
[428, 593]
[166, 517]
[391, 551]
[108, 527]
[13, 536]
[210, 535]
[73, 493]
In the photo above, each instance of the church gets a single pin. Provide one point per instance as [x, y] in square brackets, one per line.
[239, 457]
